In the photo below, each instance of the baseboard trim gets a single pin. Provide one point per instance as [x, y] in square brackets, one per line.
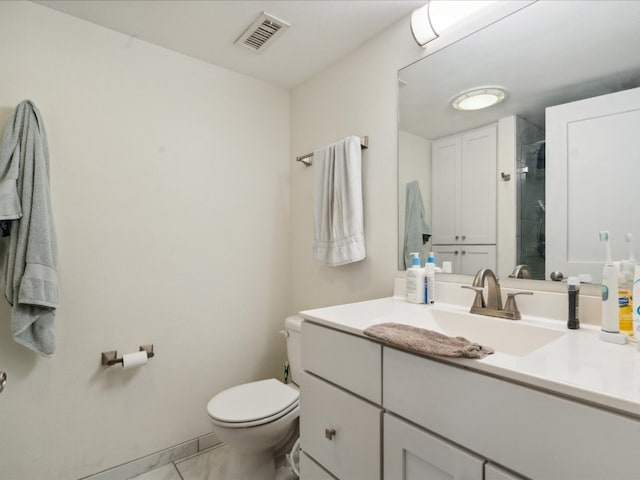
[157, 459]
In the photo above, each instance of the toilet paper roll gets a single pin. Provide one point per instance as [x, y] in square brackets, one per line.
[132, 360]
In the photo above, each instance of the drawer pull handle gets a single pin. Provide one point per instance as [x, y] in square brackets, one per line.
[329, 433]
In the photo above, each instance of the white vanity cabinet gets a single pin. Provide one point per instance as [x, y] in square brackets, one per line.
[340, 397]
[464, 170]
[369, 412]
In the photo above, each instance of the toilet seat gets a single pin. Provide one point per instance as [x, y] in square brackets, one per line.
[251, 404]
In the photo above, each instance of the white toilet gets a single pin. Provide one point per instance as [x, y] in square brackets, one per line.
[257, 419]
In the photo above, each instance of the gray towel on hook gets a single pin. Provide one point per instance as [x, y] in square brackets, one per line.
[421, 341]
[416, 228]
[28, 247]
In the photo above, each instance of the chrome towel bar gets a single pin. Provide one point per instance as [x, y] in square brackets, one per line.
[306, 159]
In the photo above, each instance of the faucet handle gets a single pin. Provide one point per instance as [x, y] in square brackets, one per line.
[510, 305]
[479, 300]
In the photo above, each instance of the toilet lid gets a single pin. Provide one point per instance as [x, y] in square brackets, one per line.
[252, 401]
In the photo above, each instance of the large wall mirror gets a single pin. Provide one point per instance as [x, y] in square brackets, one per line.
[532, 179]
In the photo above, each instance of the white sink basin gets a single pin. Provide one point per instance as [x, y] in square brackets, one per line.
[506, 336]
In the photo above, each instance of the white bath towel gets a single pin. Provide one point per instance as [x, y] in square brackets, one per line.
[338, 213]
[28, 247]
[416, 228]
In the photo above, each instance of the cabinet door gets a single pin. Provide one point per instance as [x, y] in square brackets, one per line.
[493, 472]
[445, 163]
[476, 257]
[411, 453]
[448, 253]
[339, 430]
[310, 470]
[478, 186]
[590, 171]
[466, 259]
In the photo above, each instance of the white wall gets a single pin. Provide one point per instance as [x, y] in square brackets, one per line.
[171, 199]
[358, 96]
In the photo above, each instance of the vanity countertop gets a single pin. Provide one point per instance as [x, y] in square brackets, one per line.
[577, 364]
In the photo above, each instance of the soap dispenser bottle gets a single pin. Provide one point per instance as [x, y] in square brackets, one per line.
[415, 280]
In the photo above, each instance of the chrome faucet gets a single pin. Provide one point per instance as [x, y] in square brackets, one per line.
[493, 306]
[521, 271]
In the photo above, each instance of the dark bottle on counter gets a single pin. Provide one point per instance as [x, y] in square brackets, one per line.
[573, 287]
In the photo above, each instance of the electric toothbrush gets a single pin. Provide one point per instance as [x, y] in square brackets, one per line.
[610, 323]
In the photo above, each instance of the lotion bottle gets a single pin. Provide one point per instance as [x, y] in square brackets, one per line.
[415, 281]
[430, 279]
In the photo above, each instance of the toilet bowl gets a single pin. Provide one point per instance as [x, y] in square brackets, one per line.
[256, 419]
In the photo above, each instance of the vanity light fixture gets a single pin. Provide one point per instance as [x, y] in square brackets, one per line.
[421, 27]
[430, 20]
[479, 98]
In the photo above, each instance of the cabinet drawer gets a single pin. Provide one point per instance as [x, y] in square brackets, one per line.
[310, 470]
[351, 362]
[353, 451]
[531, 432]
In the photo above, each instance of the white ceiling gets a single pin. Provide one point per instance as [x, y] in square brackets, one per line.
[321, 31]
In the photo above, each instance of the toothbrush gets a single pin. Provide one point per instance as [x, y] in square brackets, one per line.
[629, 239]
[604, 238]
[610, 321]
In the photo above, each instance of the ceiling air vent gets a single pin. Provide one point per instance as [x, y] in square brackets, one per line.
[262, 33]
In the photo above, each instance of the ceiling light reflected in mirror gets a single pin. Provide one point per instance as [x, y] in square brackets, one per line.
[478, 98]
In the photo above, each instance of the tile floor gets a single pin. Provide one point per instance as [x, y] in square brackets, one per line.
[208, 465]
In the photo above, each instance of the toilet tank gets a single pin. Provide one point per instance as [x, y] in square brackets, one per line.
[292, 326]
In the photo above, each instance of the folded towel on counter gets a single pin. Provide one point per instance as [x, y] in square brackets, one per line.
[421, 341]
[338, 213]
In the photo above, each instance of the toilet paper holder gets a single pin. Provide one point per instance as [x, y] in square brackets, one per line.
[111, 357]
